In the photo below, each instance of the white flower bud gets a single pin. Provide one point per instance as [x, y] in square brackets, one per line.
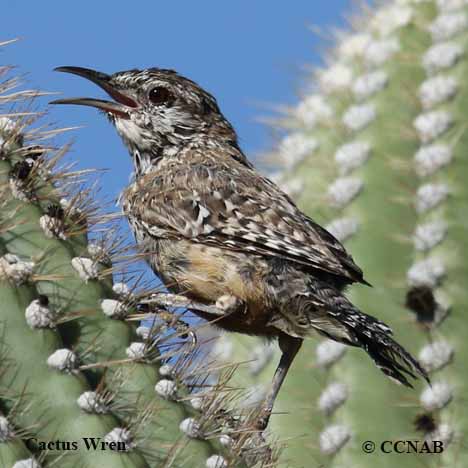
[430, 125]
[12, 268]
[85, 267]
[444, 433]
[428, 235]
[38, 315]
[429, 159]
[52, 227]
[436, 397]
[437, 90]
[378, 52]
[352, 155]
[136, 350]
[92, 402]
[426, 272]
[295, 148]
[166, 370]
[390, 18]
[344, 190]
[114, 309]
[328, 352]
[6, 430]
[429, 196]
[369, 84]
[190, 427]
[166, 388]
[355, 45]
[333, 438]
[216, 461]
[436, 355]
[27, 463]
[63, 360]
[313, 109]
[122, 437]
[441, 56]
[336, 78]
[359, 117]
[343, 228]
[121, 289]
[334, 395]
[448, 25]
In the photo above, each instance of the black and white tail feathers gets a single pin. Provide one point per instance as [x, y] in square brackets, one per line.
[389, 356]
[375, 337]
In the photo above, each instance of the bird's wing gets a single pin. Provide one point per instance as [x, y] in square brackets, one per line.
[235, 209]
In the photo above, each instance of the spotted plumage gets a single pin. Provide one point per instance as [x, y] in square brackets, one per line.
[214, 200]
[219, 232]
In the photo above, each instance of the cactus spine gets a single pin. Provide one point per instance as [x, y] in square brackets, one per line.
[74, 364]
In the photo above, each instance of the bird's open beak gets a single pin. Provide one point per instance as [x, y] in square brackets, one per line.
[121, 105]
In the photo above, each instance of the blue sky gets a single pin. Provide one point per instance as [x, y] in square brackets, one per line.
[249, 54]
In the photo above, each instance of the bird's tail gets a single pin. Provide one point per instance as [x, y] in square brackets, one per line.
[353, 327]
[389, 356]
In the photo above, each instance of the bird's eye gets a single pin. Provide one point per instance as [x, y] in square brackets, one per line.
[160, 95]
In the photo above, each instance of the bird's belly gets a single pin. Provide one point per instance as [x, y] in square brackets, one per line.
[205, 273]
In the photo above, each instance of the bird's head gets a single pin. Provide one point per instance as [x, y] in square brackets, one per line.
[154, 109]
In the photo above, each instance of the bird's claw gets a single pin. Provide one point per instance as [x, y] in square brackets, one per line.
[228, 303]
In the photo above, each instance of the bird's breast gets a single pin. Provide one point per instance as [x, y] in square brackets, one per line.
[204, 273]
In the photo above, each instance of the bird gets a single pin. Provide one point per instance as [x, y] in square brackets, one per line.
[219, 232]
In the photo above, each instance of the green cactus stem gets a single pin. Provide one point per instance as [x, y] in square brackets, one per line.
[376, 153]
[80, 365]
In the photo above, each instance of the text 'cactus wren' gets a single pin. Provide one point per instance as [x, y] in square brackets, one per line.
[220, 233]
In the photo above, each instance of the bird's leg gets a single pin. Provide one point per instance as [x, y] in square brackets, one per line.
[289, 347]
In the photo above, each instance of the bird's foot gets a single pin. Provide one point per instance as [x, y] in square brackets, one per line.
[262, 421]
[229, 303]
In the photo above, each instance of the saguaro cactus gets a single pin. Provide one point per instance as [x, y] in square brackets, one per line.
[74, 365]
[376, 151]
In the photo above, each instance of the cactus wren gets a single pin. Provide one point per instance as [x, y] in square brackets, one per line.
[220, 233]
